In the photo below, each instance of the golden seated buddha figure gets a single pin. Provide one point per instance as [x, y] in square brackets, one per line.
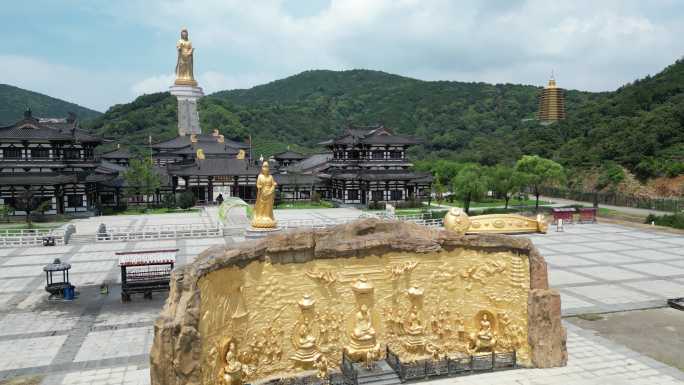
[363, 331]
[414, 327]
[362, 339]
[233, 370]
[304, 339]
[484, 339]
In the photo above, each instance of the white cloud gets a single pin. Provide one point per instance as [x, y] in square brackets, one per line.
[88, 88]
[210, 81]
[591, 45]
[516, 41]
[157, 83]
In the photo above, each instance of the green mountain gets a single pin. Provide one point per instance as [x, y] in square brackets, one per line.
[14, 101]
[640, 125]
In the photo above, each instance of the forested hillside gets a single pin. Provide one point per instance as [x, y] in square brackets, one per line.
[14, 101]
[639, 126]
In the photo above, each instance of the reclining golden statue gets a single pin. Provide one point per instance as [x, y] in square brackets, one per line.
[458, 221]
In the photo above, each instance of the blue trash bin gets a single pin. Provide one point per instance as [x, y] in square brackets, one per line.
[69, 293]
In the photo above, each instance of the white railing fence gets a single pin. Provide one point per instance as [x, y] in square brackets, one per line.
[125, 233]
[121, 233]
[29, 237]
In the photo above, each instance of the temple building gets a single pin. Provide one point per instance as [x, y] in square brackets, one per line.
[119, 156]
[184, 148]
[53, 159]
[551, 103]
[369, 164]
[288, 158]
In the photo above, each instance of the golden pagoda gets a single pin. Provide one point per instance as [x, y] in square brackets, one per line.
[551, 103]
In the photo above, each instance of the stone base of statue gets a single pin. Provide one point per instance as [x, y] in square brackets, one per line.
[188, 118]
[415, 343]
[305, 358]
[363, 350]
[258, 232]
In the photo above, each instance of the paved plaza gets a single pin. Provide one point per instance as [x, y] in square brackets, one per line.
[99, 340]
[604, 268]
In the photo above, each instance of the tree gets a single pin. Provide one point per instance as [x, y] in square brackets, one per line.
[141, 178]
[5, 211]
[186, 200]
[469, 184]
[537, 171]
[610, 176]
[439, 188]
[170, 201]
[505, 180]
[29, 203]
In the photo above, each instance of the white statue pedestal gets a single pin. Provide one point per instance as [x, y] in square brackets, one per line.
[188, 117]
[256, 233]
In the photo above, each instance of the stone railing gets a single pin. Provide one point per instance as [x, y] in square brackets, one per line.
[116, 233]
[29, 237]
[289, 224]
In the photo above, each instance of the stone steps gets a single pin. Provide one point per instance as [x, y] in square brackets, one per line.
[381, 374]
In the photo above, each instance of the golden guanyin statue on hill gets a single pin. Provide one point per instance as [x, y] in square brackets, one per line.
[263, 207]
[184, 65]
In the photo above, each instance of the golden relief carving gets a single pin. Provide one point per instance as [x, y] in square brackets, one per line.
[458, 221]
[287, 318]
[305, 336]
[233, 370]
[326, 278]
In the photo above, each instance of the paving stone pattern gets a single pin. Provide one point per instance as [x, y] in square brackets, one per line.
[603, 268]
[99, 340]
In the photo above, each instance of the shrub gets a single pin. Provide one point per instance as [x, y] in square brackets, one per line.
[494, 211]
[375, 205]
[186, 200]
[676, 220]
[409, 204]
[316, 197]
[169, 201]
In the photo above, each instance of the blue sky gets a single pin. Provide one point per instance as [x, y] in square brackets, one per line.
[98, 53]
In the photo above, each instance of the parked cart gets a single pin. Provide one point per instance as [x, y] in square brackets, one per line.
[145, 271]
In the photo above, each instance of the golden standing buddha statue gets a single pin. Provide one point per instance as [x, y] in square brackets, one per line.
[263, 207]
[184, 65]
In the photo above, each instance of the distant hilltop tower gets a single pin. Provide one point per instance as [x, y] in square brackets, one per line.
[551, 103]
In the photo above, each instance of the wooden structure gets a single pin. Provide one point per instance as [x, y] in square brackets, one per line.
[587, 215]
[369, 164]
[145, 271]
[566, 214]
[53, 159]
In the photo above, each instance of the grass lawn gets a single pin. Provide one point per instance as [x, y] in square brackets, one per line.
[305, 205]
[35, 225]
[139, 211]
[496, 203]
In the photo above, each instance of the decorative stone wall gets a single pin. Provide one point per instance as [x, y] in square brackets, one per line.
[287, 299]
